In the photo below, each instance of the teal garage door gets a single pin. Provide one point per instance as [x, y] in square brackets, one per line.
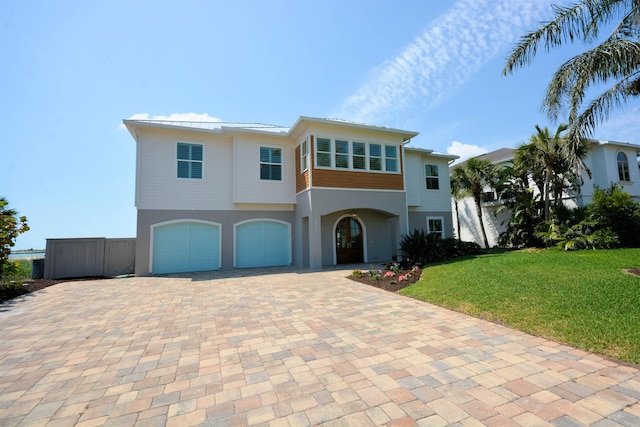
[263, 244]
[184, 247]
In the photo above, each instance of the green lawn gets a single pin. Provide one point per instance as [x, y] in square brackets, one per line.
[582, 298]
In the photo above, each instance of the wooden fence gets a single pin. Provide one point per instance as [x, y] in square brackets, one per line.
[89, 257]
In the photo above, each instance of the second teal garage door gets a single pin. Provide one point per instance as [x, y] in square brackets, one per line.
[262, 244]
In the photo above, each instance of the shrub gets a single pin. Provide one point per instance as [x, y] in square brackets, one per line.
[614, 209]
[421, 248]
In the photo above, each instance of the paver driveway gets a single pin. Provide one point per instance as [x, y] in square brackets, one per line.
[286, 348]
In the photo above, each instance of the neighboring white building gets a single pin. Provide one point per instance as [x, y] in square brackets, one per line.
[609, 162]
[322, 192]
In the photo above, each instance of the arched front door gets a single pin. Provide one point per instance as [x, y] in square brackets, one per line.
[349, 241]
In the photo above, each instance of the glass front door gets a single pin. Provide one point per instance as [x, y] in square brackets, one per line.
[349, 242]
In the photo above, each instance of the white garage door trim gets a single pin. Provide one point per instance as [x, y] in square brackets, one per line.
[286, 243]
[183, 221]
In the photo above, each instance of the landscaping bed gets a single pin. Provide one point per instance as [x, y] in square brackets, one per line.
[392, 278]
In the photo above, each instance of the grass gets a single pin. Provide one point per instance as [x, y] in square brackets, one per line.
[583, 299]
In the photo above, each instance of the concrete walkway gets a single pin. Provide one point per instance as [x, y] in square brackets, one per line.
[286, 349]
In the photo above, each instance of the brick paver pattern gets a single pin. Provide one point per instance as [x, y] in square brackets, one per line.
[280, 347]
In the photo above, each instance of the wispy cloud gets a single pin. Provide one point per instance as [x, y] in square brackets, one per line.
[622, 126]
[443, 57]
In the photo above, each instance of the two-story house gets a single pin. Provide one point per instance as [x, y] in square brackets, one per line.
[608, 162]
[213, 195]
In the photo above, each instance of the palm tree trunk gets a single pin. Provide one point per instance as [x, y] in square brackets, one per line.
[547, 182]
[457, 218]
[479, 212]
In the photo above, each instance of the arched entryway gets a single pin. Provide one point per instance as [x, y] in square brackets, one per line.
[349, 241]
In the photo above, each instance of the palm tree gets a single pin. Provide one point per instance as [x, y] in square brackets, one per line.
[473, 177]
[457, 193]
[549, 161]
[615, 61]
[550, 153]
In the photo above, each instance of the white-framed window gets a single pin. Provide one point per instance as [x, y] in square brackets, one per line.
[359, 155]
[304, 156]
[391, 158]
[323, 152]
[435, 225]
[431, 174]
[623, 167]
[375, 157]
[190, 159]
[356, 155]
[271, 164]
[342, 154]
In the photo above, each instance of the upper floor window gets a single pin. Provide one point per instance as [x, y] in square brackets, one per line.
[189, 158]
[323, 152]
[355, 155]
[431, 173]
[375, 157]
[359, 155]
[391, 158]
[271, 163]
[342, 154]
[435, 225]
[623, 167]
[304, 156]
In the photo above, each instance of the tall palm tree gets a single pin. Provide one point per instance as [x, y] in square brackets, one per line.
[550, 162]
[615, 61]
[549, 150]
[474, 177]
[457, 193]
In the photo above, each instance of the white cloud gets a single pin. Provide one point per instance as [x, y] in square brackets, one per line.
[465, 151]
[183, 117]
[443, 57]
[622, 126]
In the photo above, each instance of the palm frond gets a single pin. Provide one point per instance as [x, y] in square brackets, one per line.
[599, 109]
[578, 21]
[612, 60]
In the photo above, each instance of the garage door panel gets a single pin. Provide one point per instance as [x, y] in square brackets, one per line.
[185, 247]
[277, 242]
[263, 244]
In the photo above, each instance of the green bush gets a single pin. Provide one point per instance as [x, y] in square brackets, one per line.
[419, 248]
[614, 209]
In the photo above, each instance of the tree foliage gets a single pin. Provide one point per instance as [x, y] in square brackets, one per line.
[11, 226]
[474, 176]
[614, 62]
[613, 209]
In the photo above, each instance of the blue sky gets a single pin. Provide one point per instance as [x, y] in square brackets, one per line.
[72, 70]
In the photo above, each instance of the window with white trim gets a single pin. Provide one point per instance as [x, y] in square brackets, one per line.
[359, 155]
[356, 155]
[435, 225]
[623, 167]
[304, 156]
[391, 158]
[375, 157]
[270, 164]
[189, 158]
[342, 154]
[323, 152]
[431, 174]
